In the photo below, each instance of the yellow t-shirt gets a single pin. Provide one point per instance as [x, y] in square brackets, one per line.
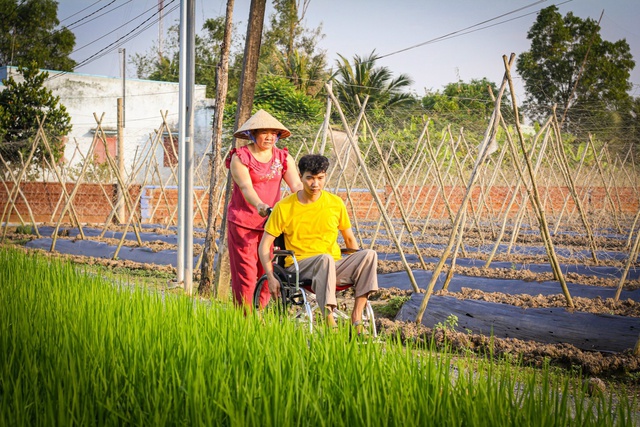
[309, 229]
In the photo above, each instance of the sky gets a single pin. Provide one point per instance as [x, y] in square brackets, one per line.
[433, 42]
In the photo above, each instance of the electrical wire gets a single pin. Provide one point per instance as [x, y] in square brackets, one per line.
[117, 28]
[80, 11]
[144, 25]
[465, 30]
[70, 26]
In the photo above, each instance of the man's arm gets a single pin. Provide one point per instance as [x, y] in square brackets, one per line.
[264, 252]
[349, 239]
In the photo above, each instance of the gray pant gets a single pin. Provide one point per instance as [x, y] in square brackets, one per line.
[358, 268]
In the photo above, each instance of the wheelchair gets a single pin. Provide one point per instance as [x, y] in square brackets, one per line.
[297, 300]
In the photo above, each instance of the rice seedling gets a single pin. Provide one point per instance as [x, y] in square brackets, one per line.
[77, 350]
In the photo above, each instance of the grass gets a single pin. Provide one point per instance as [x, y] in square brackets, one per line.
[78, 350]
[391, 307]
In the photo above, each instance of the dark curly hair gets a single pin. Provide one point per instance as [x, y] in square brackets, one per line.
[313, 163]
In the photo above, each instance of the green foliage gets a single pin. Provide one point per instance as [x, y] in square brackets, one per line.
[25, 229]
[467, 104]
[392, 307]
[363, 78]
[290, 50]
[95, 172]
[552, 69]
[449, 324]
[300, 113]
[279, 95]
[152, 66]
[21, 105]
[80, 350]
[29, 33]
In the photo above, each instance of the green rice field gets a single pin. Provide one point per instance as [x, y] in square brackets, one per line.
[77, 349]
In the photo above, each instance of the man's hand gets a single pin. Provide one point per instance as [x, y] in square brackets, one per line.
[274, 286]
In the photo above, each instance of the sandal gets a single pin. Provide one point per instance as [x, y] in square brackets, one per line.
[358, 326]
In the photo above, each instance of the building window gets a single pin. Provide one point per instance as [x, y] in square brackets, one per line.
[170, 143]
[99, 151]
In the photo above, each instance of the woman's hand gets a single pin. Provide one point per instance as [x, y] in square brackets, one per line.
[263, 209]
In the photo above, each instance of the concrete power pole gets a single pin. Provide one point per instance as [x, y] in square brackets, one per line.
[185, 144]
[120, 212]
[245, 103]
[160, 29]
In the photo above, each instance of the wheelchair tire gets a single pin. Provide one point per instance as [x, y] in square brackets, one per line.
[275, 305]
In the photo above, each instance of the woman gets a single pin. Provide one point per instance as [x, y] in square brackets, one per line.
[257, 170]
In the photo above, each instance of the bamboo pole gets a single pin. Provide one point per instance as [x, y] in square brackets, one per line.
[398, 197]
[544, 228]
[453, 237]
[606, 187]
[564, 168]
[22, 195]
[372, 189]
[438, 165]
[527, 181]
[417, 176]
[124, 195]
[402, 175]
[350, 201]
[633, 255]
[68, 197]
[566, 200]
[515, 193]
[379, 183]
[132, 210]
[14, 193]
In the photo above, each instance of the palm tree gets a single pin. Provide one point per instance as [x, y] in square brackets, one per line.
[364, 78]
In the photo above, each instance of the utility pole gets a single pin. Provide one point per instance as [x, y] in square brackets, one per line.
[123, 51]
[185, 144]
[160, 30]
[120, 213]
[120, 162]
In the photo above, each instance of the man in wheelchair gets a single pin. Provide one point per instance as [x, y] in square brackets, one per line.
[310, 220]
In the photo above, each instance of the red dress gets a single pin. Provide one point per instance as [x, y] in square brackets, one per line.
[245, 226]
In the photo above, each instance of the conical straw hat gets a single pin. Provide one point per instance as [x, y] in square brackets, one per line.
[261, 120]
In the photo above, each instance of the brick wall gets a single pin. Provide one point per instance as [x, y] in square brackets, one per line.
[92, 203]
[156, 206]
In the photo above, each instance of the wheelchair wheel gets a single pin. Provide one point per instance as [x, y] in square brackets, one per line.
[292, 303]
[342, 313]
[273, 305]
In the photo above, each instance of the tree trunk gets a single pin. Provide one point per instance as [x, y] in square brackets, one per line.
[215, 159]
[245, 103]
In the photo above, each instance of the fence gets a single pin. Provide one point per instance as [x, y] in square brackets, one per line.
[439, 184]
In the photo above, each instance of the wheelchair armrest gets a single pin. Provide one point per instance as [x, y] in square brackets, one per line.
[282, 252]
[348, 251]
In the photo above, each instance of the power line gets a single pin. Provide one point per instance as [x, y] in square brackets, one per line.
[120, 41]
[468, 29]
[80, 11]
[117, 28]
[93, 13]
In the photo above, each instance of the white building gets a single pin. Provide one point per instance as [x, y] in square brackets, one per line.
[87, 97]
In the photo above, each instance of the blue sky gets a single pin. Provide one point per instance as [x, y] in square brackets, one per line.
[481, 31]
